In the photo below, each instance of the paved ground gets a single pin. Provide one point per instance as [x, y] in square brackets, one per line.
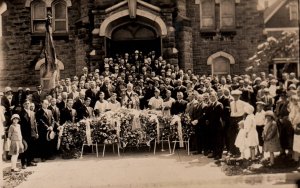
[143, 170]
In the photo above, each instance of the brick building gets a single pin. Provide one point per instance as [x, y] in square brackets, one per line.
[208, 36]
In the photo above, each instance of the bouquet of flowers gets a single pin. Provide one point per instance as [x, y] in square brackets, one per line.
[72, 138]
[165, 124]
[103, 132]
[149, 128]
[187, 128]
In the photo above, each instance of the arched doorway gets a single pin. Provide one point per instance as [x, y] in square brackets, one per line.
[123, 34]
[133, 36]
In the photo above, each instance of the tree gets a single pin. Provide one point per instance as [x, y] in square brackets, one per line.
[286, 46]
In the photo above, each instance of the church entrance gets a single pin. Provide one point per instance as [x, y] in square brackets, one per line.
[133, 36]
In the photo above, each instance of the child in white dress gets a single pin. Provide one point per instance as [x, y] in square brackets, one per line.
[16, 146]
[247, 137]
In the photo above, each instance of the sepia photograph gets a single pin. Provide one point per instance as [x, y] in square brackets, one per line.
[149, 94]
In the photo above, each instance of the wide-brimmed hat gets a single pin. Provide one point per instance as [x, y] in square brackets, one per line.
[7, 89]
[50, 135]
[270, 113]
[236, 92]
[260, 103]
[15, 116]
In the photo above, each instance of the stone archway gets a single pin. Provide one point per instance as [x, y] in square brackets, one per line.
[109, 23]
[220, 63]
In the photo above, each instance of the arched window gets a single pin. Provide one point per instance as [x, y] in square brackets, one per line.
[58, 9]
[207, 14]
[60, 16]
[294, 10]
[38, 15]
[227, 14]
[220, 63]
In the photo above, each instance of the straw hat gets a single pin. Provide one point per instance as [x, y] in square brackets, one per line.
[270, 113]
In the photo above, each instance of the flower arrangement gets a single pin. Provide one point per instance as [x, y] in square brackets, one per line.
[187, 128]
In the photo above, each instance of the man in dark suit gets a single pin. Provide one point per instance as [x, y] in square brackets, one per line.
[216, 127]
[179, 106]
[55, 110]
[68, 113]
[38, 97]
[63, 103]
[44, 119]
[92, 93]
[29, 134]
[199, 117]
[80, 107]
[225, 100]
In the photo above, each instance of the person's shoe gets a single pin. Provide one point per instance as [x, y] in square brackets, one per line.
[210, 155]
[51, 158]
[217, 157]
[23, 166]
[34, 161]
[32, 164]
[15, 170]
[206, 153]
[43, 159]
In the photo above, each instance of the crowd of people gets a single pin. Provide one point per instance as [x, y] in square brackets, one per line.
[235, 113]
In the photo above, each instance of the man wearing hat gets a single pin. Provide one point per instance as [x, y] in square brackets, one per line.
[236, 115]
[18, 100]
[267, 99]
[29, 134]
[286, 131]
[6, 102]
[106, 72]
[45, 124]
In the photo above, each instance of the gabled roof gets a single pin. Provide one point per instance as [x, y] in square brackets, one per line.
[270, 11]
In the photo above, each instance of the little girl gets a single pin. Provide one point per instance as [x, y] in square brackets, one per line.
[247, 137]
[16, 147]
[250, 130]
[271, 136]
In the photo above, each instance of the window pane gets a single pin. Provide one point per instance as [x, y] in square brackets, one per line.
[60, 11]
[207, 14]
[60, 25]
[227, 22]
[221, 66]
[228, 7]
[207, 22]
[39, 11]
[207, 8]
[39, 26]
[227, 13]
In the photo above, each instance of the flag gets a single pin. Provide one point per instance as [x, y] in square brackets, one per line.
[50, 55]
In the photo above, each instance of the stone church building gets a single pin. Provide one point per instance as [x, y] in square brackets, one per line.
[207, 36]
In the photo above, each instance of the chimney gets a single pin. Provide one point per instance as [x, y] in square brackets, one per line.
[266, 4]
